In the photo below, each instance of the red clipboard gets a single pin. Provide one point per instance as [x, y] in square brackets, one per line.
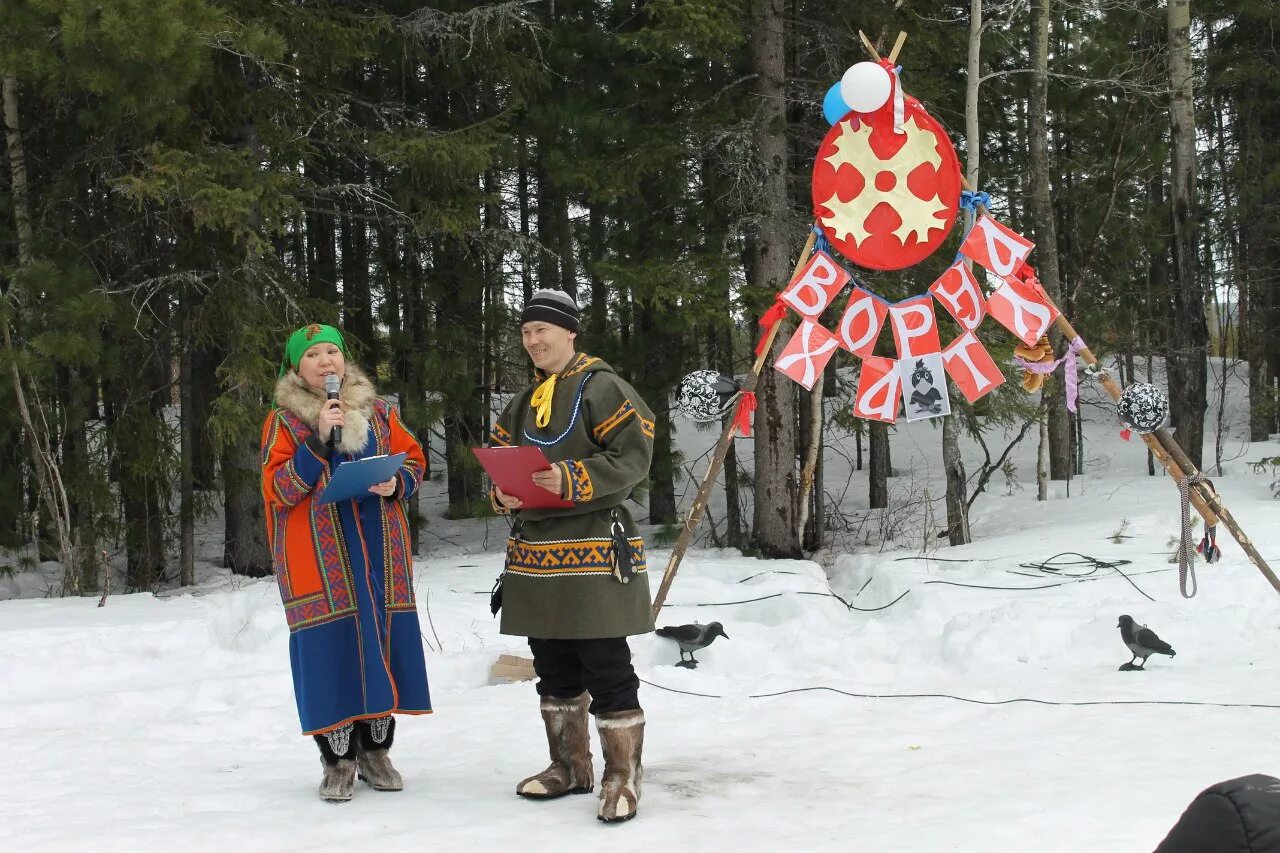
[512, 470]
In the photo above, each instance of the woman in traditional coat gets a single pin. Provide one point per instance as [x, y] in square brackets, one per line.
[344, 568]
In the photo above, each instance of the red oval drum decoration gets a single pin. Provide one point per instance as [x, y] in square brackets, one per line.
[886, 200]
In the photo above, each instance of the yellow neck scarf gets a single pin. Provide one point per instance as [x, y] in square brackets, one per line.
[541, 401]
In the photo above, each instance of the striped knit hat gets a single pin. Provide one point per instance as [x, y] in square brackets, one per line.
[551, 306]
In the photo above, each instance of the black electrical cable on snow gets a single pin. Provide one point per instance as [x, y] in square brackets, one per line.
[1014, 701]
[1048, 567]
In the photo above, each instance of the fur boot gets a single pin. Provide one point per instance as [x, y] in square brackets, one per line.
[569, 740]
[336, 756]
[622, 740]
[373, 759]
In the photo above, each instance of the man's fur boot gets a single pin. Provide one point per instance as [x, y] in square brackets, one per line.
[569, 740]
[622, 740]
[373, 759]
[337, 749]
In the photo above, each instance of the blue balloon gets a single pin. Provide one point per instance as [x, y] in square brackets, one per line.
[833, 105]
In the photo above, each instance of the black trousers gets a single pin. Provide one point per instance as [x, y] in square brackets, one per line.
[602, 667]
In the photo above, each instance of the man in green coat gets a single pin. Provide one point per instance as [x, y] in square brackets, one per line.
[575, 581]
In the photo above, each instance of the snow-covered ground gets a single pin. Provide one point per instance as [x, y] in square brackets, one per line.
[167, 722]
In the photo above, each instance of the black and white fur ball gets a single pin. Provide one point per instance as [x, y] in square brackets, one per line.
[1143, 408]
[706, 395]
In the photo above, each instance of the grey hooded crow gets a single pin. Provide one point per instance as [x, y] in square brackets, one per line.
[1142, 641]
[691, 638]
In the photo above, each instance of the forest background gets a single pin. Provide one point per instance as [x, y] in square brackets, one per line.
[186, 181]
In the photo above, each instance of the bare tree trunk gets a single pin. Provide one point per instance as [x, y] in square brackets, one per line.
[460, 305]
[733, 507]
[564, 245]
[813, 450]
[723, 354]
[1041, 208]
[1262, 400]
[598, 313]
[245, 541]
[1151, 459]
[1186, 363]
[958, 532]
[1077, 426]
[816, 532]
[664, 352]
[972, 140]
[416, 319]
[880, 466]
[773, 529]
[1045, 225]
[49, 484]
[1042, 462]
[545, 213]
[493, 265]
[187, 491]
[1256, 286]
[18, 171]
[522, 194]
[205, 390]
[322, 257]
[357, 299]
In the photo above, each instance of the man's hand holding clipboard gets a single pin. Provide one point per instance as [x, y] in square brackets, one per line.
[522, 477]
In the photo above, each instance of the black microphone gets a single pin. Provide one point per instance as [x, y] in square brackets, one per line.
[331, 385]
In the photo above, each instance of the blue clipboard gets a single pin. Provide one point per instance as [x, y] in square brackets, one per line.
[353, 479]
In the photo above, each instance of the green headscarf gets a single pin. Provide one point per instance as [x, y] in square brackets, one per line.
[306, 337]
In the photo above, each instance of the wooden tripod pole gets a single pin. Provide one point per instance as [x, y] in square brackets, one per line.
[1166, 450]
[1157, 441]
[722, 447]
[1215, 504]
[1175, 460]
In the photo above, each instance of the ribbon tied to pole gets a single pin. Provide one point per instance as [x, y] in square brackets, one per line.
[1069, 360]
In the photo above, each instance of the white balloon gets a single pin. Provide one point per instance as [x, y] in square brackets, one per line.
[866, 87]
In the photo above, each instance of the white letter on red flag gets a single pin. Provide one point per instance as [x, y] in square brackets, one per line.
[861, 322]
[806, 354]
[989, 239]
[915, 329]
[878, 388]
[958, 291]
[1022, 309]
[818, 283]
[971, 367]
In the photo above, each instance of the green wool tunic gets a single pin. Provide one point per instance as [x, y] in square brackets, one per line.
[558, 583]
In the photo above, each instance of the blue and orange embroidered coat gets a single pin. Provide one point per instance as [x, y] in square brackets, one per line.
[344, 569]
[559, 583]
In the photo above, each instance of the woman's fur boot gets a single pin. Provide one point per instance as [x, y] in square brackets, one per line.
[337, 750]
[373, 759]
